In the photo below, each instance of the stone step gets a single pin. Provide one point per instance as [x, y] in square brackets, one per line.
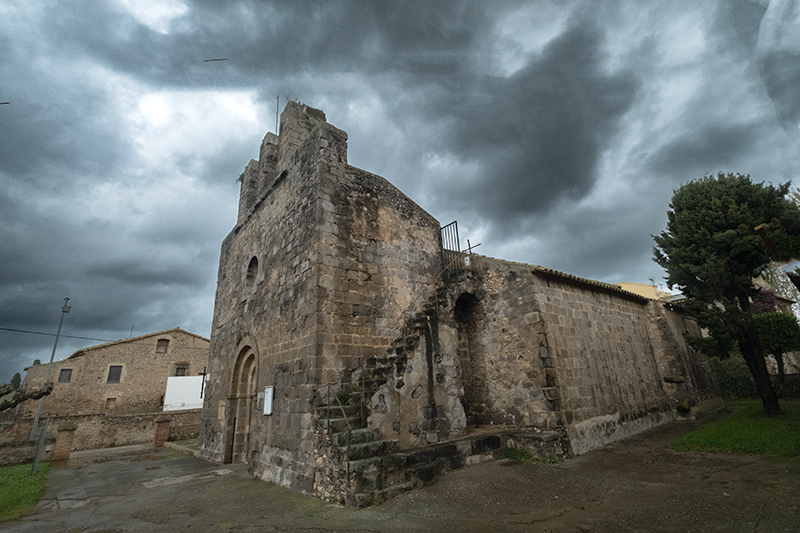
[377, 464]
[378, 480]
[365, 499]
[339, 425]
[450, 453]
[369, 449]
[335, 411]
[357, 436]
[426, 472]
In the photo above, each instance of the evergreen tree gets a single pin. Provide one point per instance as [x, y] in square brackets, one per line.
[16, 381]
[712, 253]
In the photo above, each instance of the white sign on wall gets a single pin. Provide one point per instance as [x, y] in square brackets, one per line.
[269, 393]
[183, 392]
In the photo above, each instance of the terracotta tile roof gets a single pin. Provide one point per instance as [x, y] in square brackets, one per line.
[80, 352]
[590, 283]
[608, 287]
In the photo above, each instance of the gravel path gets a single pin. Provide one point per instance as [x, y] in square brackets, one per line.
[638, 485]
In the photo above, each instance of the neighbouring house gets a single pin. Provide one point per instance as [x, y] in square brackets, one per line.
[356, 351]
[113, 394]
[643, 289]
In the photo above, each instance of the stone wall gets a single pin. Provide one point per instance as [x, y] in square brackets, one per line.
[315, 277]
[606, 382]
[331, 281]
[96, 431]
[142, 382]
[519, 347]
[266, 306]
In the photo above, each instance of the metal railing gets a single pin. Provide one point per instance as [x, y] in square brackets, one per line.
[452, 258]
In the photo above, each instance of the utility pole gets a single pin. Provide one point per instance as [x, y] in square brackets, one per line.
[64, 311]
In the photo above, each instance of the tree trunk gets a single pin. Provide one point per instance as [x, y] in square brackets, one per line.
[750, 346]
[781, 371]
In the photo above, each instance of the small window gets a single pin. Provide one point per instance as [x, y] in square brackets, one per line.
[111, 403]
[114, 373]
[252, 273]
[65, 375]
[161, 345]
[182, 370]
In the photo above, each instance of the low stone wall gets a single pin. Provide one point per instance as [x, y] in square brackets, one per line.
[14, 453]
[91, 432]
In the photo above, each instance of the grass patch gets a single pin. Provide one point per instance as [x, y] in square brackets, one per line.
[19, 490]
[748, 430]
[521, 455]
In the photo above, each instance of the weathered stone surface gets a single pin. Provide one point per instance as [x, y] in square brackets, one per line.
[314, 278]
[105, 412]
[331, 289]
[85, 387]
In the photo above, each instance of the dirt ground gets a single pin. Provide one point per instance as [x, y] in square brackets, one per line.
[638, 485]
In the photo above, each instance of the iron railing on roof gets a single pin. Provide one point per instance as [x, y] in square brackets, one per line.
[452, 258]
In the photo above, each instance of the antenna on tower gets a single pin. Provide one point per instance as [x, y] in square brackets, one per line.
[277, 108]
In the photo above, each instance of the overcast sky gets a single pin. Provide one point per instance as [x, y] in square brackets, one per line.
[553, 131]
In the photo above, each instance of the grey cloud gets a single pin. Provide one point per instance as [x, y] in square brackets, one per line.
[267, 38]
[779, 61]
[709, 149]
[537, 135]
[736, 25]
[529, 144]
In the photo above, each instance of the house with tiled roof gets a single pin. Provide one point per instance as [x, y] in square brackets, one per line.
[113, 394]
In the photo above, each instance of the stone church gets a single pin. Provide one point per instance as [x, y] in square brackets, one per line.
[357, 351]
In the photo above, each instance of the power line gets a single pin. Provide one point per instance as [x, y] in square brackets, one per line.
[80, 338]
[53, 334]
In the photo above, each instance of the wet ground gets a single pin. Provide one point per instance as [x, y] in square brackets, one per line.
[638, 485]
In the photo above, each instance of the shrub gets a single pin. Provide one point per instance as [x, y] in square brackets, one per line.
[734, 378]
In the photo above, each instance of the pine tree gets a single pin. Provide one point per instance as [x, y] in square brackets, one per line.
[712, 253]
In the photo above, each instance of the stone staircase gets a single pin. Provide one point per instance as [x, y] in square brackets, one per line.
[394, 361]
[377, 471]
[373, 470]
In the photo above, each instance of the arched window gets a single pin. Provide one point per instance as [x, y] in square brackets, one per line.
[252, 273]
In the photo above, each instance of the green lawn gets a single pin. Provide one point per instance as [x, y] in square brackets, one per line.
[20, 491]
[748, 430]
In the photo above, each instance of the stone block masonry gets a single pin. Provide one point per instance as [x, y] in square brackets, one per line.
[331, 286]
[324, 260]
[112, 394]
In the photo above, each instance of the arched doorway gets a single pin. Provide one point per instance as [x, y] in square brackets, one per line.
[469, 315]
[242, 399]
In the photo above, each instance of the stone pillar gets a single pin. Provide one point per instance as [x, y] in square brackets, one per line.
[162, 431]
[63, 445]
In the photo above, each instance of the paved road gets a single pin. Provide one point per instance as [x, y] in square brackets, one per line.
[637, 485]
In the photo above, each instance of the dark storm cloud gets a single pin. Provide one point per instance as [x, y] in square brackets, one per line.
[537, 135]
[271, 38]
[51, 133]
[779, 61]
[736, 25]
[551, 126]
[710, 149]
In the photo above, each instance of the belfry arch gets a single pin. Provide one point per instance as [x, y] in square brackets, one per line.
[242, 402]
